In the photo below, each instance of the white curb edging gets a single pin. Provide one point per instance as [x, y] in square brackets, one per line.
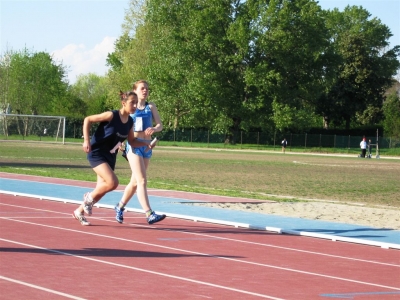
[228, 223]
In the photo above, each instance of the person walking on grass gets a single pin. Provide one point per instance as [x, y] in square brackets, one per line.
[284, 144]
[147, 121]
[114, 128]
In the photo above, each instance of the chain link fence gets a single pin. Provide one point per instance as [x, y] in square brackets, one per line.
[194, 137]
[266, 139]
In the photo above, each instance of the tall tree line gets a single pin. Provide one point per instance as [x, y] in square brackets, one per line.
[228, 65]
[33, 83]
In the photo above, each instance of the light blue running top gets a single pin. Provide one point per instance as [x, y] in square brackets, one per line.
[143, 118]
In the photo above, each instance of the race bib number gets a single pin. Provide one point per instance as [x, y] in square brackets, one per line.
[138, 124]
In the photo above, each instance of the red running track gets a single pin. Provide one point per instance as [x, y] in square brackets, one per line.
[46, 254]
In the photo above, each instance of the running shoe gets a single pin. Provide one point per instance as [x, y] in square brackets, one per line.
[124, 155]
[154, 218]
[87, 204]
[120, 214]
[81, 218]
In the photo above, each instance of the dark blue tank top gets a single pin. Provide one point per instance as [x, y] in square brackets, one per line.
[109, 134]
[143, 118]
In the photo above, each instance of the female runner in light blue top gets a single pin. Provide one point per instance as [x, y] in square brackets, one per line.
[145, 116]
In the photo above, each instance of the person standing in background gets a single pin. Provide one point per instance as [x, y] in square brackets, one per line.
[284, 144]
[363, 146]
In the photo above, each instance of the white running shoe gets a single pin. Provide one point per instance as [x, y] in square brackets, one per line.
[87, 204]
[81, 218]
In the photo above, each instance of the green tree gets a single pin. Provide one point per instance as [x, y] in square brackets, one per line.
[288, 58]
[288, 118]
[129, 60]
[196, 80]
[221, 64]
[364, 69]
[228, 61]
[5, 62]
[71, 106]
[34, 82]
[391, 111]
[92, 91]
[228, 65]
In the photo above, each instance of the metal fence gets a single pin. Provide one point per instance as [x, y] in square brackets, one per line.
[73, 130]
[274, 139]
[267, 139]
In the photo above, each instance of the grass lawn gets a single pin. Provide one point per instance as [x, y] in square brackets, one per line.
[238, 173]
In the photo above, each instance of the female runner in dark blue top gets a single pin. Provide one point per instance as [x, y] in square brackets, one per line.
[114, 128]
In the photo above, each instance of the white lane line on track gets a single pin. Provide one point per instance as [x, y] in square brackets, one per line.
[227, 239]
[286, 248]
[331, 237]
[209, 255]
[66, 217]
[143, 270]
[41, 288]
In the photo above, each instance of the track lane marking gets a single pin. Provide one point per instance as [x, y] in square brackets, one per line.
[224, 238]
[143, 270]
[41, 288]
[206, 254]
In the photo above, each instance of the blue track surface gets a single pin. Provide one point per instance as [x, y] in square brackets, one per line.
[174, 206]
